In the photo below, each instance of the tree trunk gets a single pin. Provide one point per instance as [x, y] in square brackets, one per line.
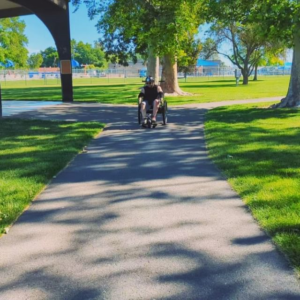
[245, 72]
[169, 76]
[255, 73]
[292, 98]
[245, 76]
[153, 65]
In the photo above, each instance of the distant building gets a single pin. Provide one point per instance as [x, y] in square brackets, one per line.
[49, 70]
[207, 67]
[133, 69]
[208, 63]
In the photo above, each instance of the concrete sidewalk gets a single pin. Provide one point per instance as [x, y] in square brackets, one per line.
[144, 214]
[10, 108]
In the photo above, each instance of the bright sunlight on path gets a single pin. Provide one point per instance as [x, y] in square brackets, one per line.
[14, 107]
[143, 214]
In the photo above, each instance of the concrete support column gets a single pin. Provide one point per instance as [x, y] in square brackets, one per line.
[56, 19]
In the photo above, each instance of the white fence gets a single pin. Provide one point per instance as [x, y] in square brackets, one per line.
[23, 75]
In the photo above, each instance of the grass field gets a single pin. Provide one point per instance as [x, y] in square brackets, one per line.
[125, 91]
[31, 153]
[258, 149]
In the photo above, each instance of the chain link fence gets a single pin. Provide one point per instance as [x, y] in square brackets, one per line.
[32, 77]
[229, 71]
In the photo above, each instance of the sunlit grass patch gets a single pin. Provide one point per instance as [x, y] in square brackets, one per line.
[31, 153]
[258, 151]
[224, 88]
[125, 91]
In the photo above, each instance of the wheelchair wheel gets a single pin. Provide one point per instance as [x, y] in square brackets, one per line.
[164, 113]
[139, 114]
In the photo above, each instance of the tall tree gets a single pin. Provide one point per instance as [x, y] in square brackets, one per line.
[13, 41]
[99, 56]
[35, 60]
[87, 54]
[50, 57]
[83, 53]
[161, 27]
[187, 60]
[272, 55]
[278, 21]
[178, 23]
[281, 22]
[209, 49]
[247, 45]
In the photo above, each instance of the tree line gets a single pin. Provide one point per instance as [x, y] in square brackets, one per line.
[84, 54]
[164, 31]
[13, 43]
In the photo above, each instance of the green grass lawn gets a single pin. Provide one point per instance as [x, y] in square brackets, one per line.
[223, 89]
[258, 151]
[31, 153]
[125, 91]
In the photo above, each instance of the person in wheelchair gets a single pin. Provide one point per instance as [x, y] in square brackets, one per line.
[150, 97]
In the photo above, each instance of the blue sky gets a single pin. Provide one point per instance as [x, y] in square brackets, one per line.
[82, 29]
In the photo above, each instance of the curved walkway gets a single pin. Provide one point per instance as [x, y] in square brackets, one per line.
[143, 214]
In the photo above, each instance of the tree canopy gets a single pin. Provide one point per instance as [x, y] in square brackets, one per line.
[87, 54]
[35, 60]
[279, 20]
[84, 53]
[128, 27]
[13, 41]
[208, 49]
[134, 24]
[188, 60]
[247, 46]
[50, 57]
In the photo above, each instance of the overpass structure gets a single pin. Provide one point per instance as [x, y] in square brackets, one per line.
[55, 15]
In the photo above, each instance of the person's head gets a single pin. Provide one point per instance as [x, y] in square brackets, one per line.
[149, 81]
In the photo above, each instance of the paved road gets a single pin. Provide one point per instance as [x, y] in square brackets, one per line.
[143, 214]
[10, 108]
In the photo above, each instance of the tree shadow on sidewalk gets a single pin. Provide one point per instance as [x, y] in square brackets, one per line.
[143, 214]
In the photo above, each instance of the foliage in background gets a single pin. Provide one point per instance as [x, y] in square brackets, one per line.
[187, 58]
[164, 28]
[273, 54]
[247, 45]
[83, 53]
[278, 21]
[209, 49]
[13, 42]
[233, 24]
[35, 60]
[50, 57]
[87, 54]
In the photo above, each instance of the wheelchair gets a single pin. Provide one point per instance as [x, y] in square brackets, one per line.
[162, 110]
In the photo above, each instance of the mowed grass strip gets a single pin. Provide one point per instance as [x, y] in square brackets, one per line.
[224, 89]
[31, 153]
[125, 91]
[258, 151]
